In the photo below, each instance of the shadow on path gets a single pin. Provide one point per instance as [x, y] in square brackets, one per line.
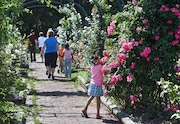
[60, 79]
[110, 121]
[59, 93]
[45, 115]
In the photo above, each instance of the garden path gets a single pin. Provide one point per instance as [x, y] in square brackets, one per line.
[60, 102]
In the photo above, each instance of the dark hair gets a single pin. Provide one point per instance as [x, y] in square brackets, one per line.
[66, 46]
[94, 59]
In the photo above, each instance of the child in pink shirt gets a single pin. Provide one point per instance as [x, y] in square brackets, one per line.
[68, 57]
[95, 87]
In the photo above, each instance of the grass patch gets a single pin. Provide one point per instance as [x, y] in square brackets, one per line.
[35, 110]
[82, 73]
[79, 106]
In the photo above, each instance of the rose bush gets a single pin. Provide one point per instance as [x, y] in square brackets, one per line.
[146, 50]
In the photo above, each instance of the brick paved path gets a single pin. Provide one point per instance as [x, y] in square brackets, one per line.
[60, 102]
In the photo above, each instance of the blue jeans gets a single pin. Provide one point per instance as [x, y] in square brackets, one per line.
[67, 67]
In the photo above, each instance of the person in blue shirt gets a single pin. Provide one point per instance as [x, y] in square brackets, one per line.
[51, 52]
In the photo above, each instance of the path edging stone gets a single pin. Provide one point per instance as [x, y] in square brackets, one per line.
[123, 117]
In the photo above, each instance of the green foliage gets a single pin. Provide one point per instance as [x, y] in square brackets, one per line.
[69, 28]
[172, 90]
[42, 18]
[11, 50]
[93, 36]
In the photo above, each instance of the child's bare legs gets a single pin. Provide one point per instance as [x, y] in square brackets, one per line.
[87, 104]
[48, 69]
[52, 71]
[98, 101]
[61, 65]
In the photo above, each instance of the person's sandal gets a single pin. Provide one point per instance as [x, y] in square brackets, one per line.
[98, 117]
[83, 114]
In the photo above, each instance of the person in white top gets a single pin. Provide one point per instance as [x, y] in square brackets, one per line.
[68, 57]
[41, 40]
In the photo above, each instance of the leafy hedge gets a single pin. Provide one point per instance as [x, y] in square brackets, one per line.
[11, 45]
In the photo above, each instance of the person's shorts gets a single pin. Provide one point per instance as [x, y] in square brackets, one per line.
[50, 59]
[32, 49]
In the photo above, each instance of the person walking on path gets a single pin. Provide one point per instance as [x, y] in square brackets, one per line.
[52, 46]
[68, 57]
[95, 86]
[32, 44]
[61, 59]
[41, 40]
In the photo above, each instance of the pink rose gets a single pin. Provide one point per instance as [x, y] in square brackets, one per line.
[145, 52]
[169, 22]
[134, 2]
[111, 27]
[135, 43]
[177, 36]
[129, 78]
[121, 57]
[138, 29]
[146, 27]
[166, 109]
[157, 38]
[173, 108]
[79, 55]
[104, 69]
[113, 24]
[110, 30]
[156, 59]
[105, 53]
[145, 21]
[164, 8]
[175, 11]
[133, 64]
[170, 33]
[103, 60]
[140, 41]
[133, 98]
[177, 54]
[127, 46]
[175, 43]
[113, 64]
[178, 69]
[147, 59]
[116, 78]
